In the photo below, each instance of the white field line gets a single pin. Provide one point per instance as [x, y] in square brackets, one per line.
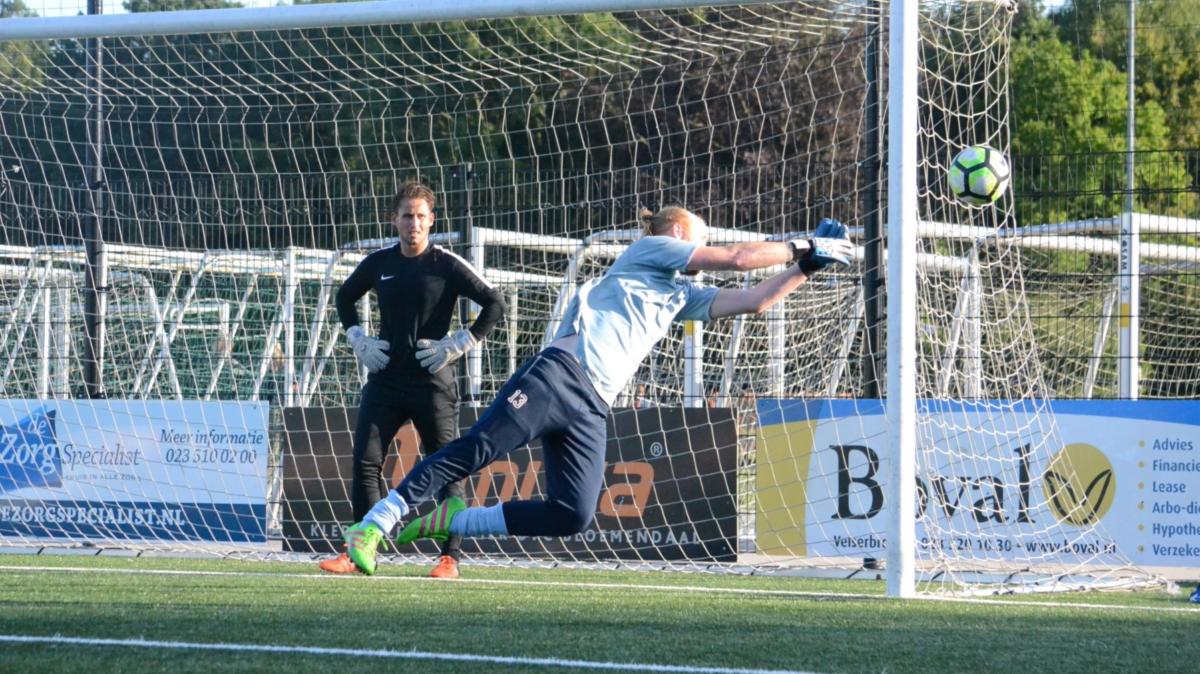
[698, 589]
[386, 654]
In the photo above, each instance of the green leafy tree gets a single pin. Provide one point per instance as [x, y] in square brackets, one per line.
[20, 62]
[1030, 20]
[28, 150]
[1071, 98]
[716, 127]
[1166, 49]
[1071, 112]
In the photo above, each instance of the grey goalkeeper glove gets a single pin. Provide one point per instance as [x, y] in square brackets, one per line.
[437, 354]
[830, 245]
[371, 351]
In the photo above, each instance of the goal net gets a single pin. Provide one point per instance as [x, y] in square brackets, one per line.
[235, 178]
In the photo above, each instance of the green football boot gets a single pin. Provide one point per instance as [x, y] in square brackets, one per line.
[435, 525]
[362, 543]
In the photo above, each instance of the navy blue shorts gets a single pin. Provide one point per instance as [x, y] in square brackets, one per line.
[549, 398]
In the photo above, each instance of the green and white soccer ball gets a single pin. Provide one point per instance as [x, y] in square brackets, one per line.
[979, 175]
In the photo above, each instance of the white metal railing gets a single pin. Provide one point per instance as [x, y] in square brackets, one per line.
[39, 269]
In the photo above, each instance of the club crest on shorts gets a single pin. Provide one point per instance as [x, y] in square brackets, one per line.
[518, 399]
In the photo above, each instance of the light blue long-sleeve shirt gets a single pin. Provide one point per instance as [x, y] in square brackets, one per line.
[619, 317]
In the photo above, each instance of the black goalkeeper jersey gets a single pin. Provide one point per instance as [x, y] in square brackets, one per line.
[417, 298]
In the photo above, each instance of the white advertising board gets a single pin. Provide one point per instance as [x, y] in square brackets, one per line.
[1001, 482]
[133, 470]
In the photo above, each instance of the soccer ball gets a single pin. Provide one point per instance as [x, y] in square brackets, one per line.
[979, 175]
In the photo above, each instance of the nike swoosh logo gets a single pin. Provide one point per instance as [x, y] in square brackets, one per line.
[385, 278]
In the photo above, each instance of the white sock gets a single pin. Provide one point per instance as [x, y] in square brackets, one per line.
[388, 512]
[474, 522]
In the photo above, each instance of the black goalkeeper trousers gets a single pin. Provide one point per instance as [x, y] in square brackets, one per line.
[384, 408]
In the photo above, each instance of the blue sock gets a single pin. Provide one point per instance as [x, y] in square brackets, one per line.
[475, 522]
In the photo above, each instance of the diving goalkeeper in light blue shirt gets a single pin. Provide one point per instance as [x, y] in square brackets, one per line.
[562, 395]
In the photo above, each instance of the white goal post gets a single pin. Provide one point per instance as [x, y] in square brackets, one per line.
[227, 168]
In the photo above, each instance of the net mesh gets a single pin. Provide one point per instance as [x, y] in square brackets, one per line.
[245, 174]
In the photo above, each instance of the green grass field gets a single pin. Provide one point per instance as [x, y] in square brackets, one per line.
[158, 614]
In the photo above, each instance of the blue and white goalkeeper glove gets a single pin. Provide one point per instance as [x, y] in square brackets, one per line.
[437, 354]
[371, 351]
[830, 245]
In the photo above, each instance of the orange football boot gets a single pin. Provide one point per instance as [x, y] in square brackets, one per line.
[340, 564]
[447, 567]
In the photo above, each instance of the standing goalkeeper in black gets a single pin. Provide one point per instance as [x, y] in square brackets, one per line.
[417, 286]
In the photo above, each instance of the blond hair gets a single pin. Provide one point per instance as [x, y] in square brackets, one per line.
[654, 224]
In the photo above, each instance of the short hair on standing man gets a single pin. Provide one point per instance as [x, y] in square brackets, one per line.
[413, 190]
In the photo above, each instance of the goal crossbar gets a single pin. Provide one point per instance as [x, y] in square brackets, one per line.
[331, 15]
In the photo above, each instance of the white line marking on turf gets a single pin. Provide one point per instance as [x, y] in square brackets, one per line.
[477, 581]
[381, 653]
[325, 577]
